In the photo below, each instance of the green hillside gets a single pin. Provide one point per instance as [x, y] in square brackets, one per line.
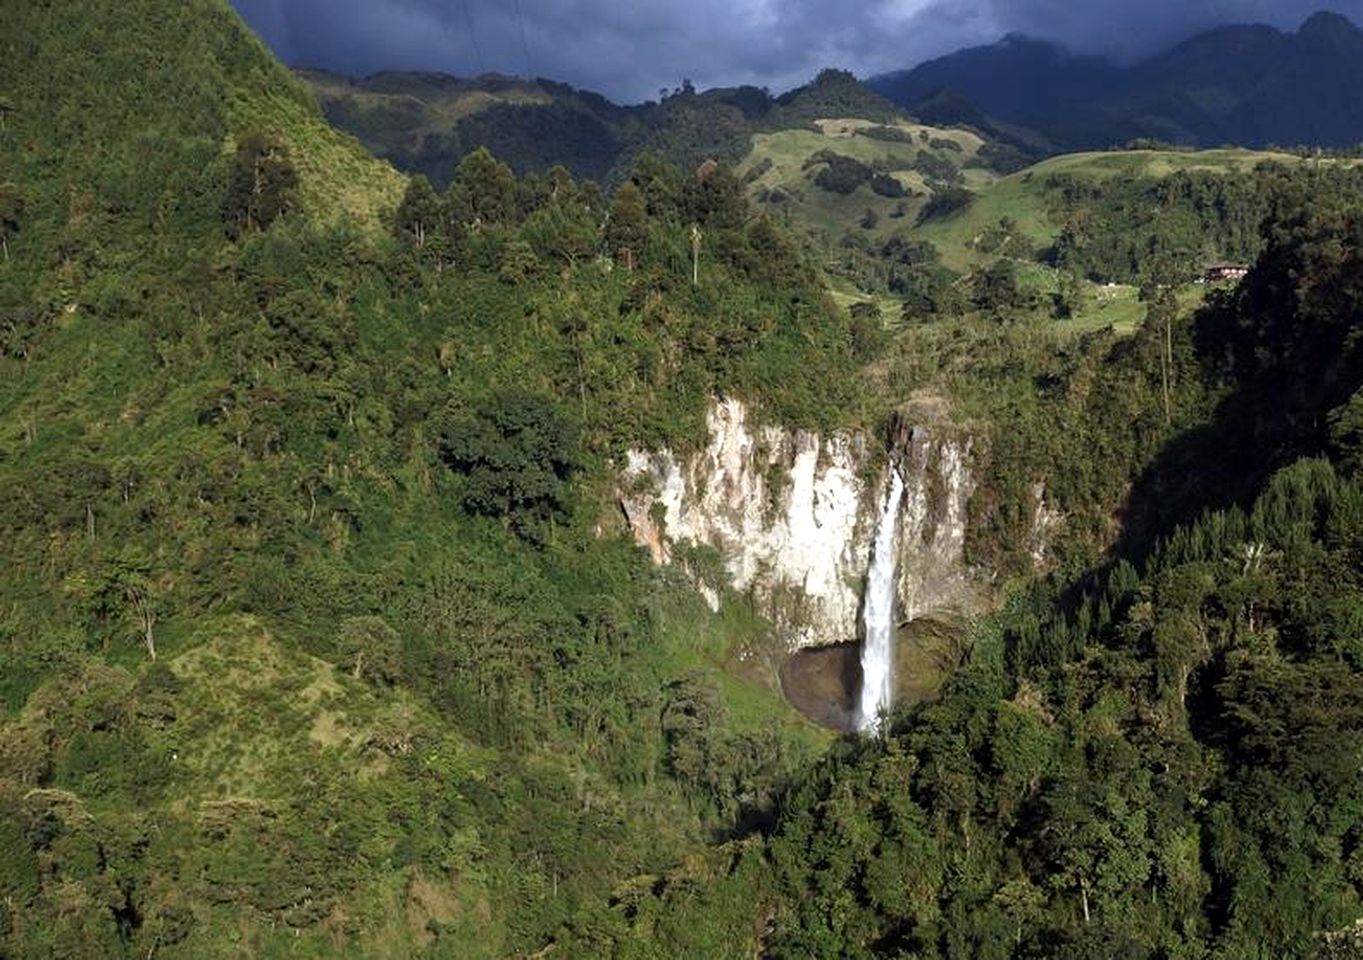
[1023, 196]
[322, 635]
[915, 219]
[425, 122]
[781, 169]
[317, 634]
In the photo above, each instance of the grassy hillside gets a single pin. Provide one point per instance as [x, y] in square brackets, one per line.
[319, 633]
[1074, 238]
[781, 175]
[782, 178]
[425, 123]
[1023, 196]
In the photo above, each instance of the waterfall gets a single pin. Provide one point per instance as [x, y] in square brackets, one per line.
[877, 652]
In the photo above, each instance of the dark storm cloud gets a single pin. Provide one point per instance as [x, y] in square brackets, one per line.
[1130, 29]
[630, 48]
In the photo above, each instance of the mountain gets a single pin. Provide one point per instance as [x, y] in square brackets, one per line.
[393, 573]
[424, 123]
[1023, 80]
[1247, 85]
[290, 664]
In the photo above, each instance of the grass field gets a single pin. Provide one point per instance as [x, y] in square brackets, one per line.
[1115, 306]
[1020, 197]
[785, 153]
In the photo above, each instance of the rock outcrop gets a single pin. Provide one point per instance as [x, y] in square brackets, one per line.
[792, 515]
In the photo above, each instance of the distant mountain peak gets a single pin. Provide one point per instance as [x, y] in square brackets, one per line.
[1016, 39]
[1249, 84]
[1328, 21]
[1326, 25]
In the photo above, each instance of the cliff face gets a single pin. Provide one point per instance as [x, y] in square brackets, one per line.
[793, 516]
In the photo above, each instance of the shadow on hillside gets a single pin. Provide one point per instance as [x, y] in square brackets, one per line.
[1266, 421]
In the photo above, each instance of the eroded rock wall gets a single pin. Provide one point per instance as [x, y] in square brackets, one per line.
[793, 515]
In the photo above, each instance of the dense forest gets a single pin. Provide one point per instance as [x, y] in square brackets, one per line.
[309, 642]
[1155, 758]
[321, 633]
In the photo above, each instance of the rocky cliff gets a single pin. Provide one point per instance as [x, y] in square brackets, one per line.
[792, 516]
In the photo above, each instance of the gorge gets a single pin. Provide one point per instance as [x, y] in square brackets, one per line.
[825, 538]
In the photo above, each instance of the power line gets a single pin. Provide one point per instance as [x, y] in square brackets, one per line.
[525, 44]
[473, 37]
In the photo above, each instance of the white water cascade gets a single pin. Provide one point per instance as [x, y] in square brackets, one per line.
[877, 652]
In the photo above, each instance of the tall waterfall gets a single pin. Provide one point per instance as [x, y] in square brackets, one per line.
[877, 652]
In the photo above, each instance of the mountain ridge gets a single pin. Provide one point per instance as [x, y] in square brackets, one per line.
[1249, 84]
[424, 121]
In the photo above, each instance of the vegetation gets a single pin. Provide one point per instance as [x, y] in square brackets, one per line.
[1157, 757]
[320, 634]
[426, 123]
[309, 643]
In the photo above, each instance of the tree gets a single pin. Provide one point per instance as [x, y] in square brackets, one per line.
[1161, 308]
[370, 650]
[660, 184]
[261, 186]
[996, 287]
[517, 454]
[420, 214]
[928, 290]
[564, 229]
[516, 262]
[1072, 297]
[628, 224]
[945, 202]
[715, 200]
[483, 192]
[1022, 902]
[123, 597]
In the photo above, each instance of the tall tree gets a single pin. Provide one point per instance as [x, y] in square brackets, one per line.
[628, 224]
[420, 214]
[483, 192]
[262, 186]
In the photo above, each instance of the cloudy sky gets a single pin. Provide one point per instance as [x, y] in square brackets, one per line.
[628, 49]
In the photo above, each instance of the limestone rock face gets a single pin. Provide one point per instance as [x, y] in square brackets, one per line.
[793, 516]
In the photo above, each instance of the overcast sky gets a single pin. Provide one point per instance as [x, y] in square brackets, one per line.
[628, 49]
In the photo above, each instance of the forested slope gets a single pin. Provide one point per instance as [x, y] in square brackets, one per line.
[426, 123]
[316, 634]
[1157, 757]
[320, 634]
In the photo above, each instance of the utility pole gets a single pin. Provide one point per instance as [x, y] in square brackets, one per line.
[695, 254]
[1164, 306]
[1168, 360]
